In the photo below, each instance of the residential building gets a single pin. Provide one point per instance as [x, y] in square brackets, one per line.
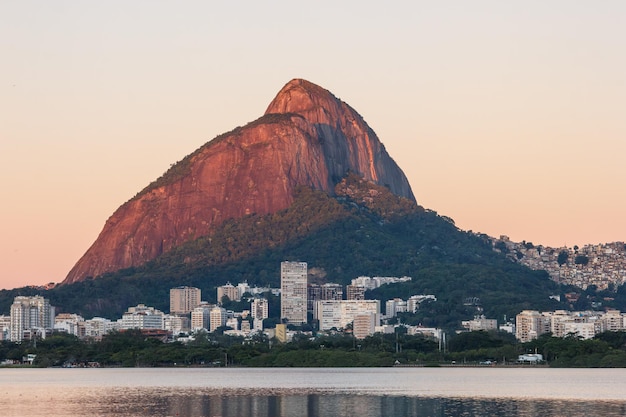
[293, 288]
[259, 308]
[201, 317]
[228, 291]
[480, 323]
[242, 288]
[355, 292]
[97, 327]
[414, 301]
[530, 324]
[30, 316]
[395, 306]
[328, 291]
[184, 299]
[142, 317]
[176, 324]
[364, 325]
[339, 313]
[5, 327]
[217, 318]
[69, 323]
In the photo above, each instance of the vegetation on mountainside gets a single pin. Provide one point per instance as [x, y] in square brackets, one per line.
[341, 236]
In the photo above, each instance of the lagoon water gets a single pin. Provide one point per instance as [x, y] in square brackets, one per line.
[312, 392]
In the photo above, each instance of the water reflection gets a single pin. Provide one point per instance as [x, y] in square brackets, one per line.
[167, 403]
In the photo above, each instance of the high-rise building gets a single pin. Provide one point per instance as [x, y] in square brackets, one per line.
[364, 325]
[259, 308]
[217, 318]
[30, 315]
[328, 291]
[293, 286]
[229, 291]
[184, 299]
[530, 324]
[201, 317]
[355, 292]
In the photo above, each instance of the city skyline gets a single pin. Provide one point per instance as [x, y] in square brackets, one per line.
[504, 117]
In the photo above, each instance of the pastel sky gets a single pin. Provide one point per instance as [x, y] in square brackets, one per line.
[509, 117]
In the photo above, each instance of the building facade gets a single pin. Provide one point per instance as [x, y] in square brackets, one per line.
[293, 286]
[229, 291]
[259, 308]
[30, 316]
[339, 313]
[184, 299]
[142, 317]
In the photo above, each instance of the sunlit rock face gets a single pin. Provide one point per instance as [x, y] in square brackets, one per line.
[306, 137]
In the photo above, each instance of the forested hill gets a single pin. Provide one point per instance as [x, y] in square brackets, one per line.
[364, 230]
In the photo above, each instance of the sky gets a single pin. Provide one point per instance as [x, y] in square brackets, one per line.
[508, 117]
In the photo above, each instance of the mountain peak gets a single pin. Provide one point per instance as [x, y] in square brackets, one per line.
[308, 137]
[301, 96]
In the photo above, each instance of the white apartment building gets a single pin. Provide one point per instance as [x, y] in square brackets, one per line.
[414, 301]
[142, 317]
[5, 327]
[217, 318]
[30, 315]
[395, 306]
[480, 323]
[259, 308]
[293, 289]
[530, 324]
[340, 313]
[242, 288]
[201, 317]
[175, 324]
[69, 323]
[561, 323]
[97, 327]
[184, 299]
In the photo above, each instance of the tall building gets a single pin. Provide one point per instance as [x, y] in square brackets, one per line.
[217, 318]
[5, 327]
[364, 325]
[331, 291]
[201, 317]
[355, 292]
[259, 308]
[530, 324]
[328, 291]
[293, 286]
[184, 299]
[29, 316]
[229, 291]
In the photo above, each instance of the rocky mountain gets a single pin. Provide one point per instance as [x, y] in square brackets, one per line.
[307, 137]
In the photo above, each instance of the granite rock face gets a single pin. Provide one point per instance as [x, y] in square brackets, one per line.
[306, 137]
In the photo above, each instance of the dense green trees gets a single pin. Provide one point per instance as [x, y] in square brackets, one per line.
[132, 348]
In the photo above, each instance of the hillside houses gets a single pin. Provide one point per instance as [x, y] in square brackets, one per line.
[602, 265]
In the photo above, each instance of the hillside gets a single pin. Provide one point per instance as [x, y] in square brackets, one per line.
[363, 230]
[307, 137]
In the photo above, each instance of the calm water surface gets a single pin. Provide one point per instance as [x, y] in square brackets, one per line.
[343, 392]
